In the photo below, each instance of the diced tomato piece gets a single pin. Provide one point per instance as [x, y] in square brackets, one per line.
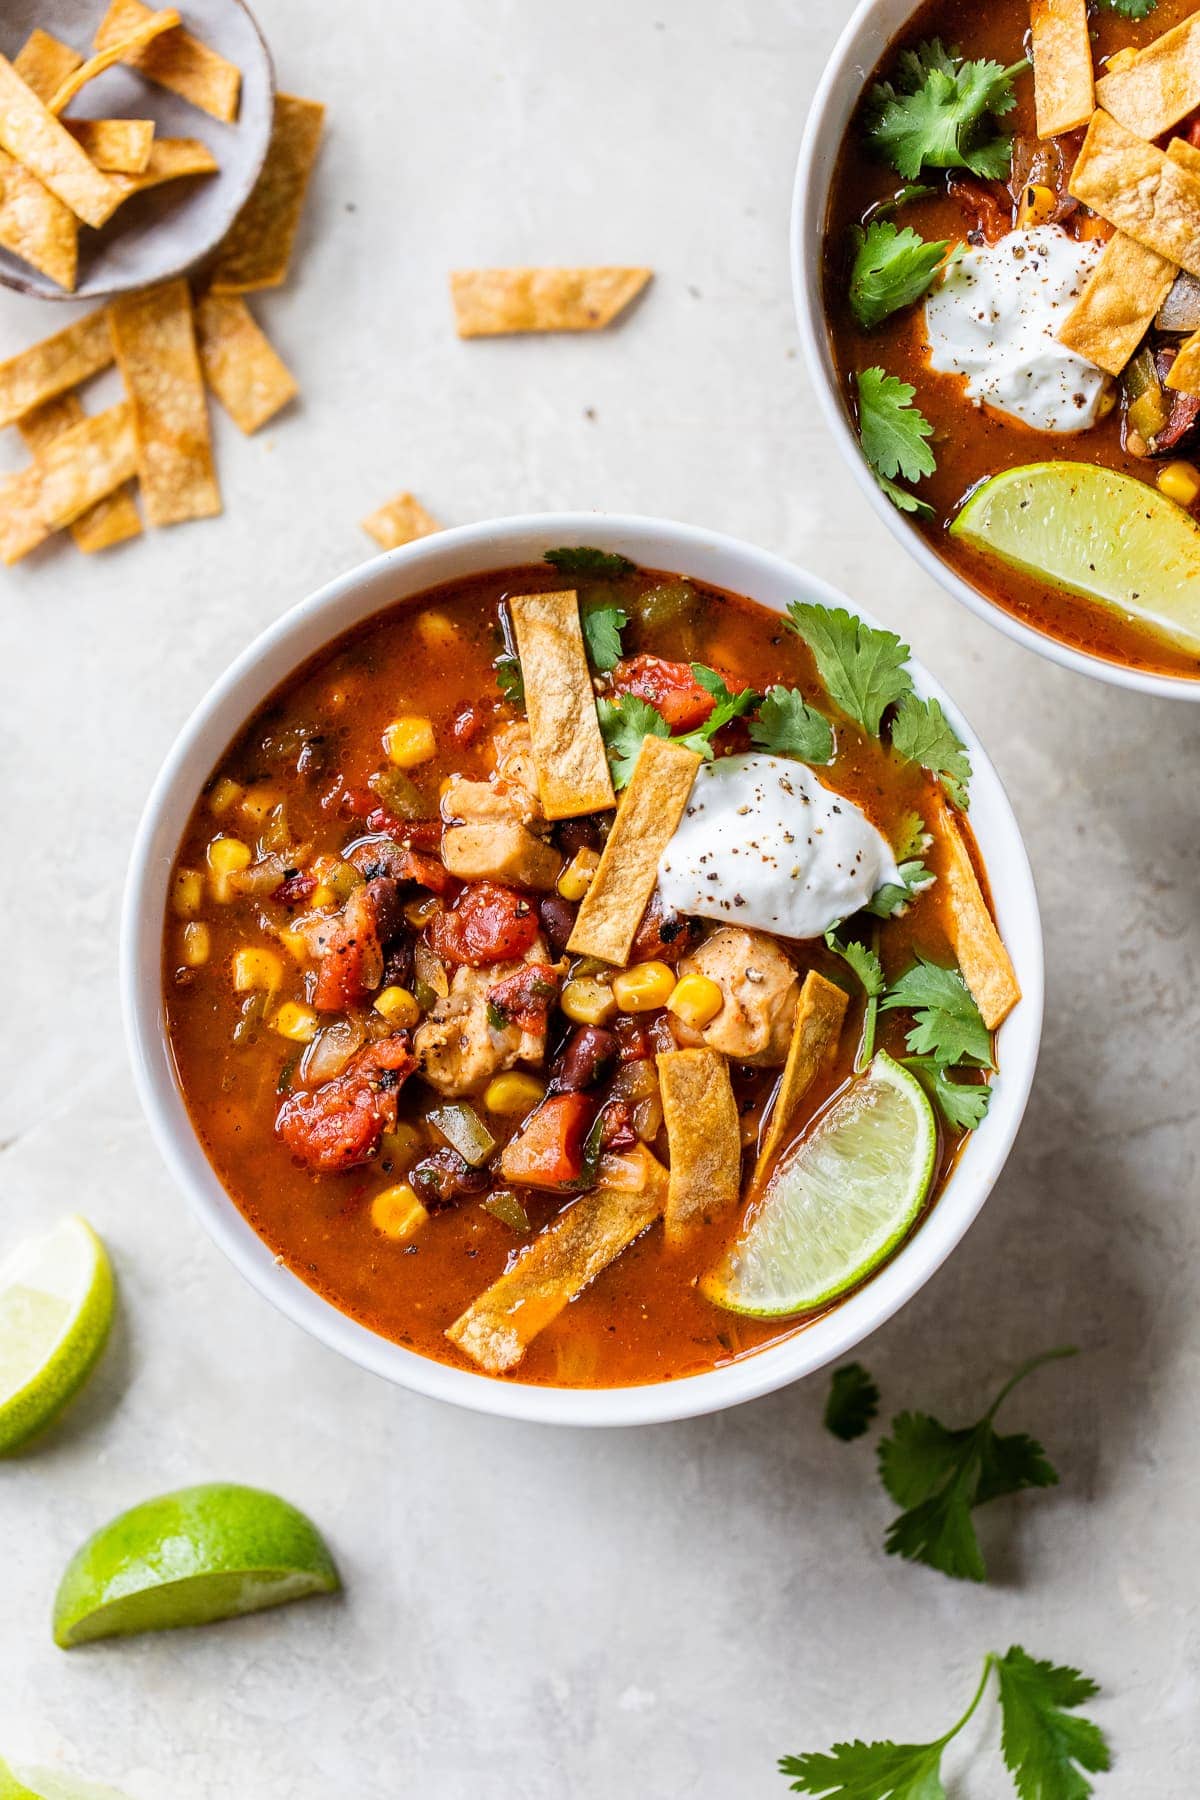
[488, 923]
[664, 936]
[617, 1132]
[548, 1149]
[350, 802]
[633, 1035]
[669, 686]
[986, 209]
[524, 999]
[469, 724]
[339, 1124]
[296, 888]
[351, 964]
[421, 834]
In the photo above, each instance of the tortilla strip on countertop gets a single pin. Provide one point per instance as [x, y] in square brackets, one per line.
[54, 364]
[1063, 80]
[111, 520]
[568, 750]
[650, 809]
[401, 520]
[241, 365]
[703, 1134]
[501, 302]
[1161, 85]
[499, 1326]
[76, 469]
[815, 1033]
[155, 342]
[1152, 197]
[985, 963]
[1118, 304]
[256, 251]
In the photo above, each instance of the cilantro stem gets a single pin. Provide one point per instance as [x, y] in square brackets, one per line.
[866, 1048]
[1027, 1368]
[989, 1663]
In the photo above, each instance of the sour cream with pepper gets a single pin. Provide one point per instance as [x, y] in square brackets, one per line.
[762, 843]
[996, 316]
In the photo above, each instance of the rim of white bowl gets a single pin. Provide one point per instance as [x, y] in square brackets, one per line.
[290, 641]
[837, 94]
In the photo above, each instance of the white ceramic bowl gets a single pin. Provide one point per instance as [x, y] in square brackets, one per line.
[874, 25]
[448, 556]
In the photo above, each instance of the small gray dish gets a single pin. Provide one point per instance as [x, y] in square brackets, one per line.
[168, 230]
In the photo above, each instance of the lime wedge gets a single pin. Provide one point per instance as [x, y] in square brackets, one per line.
[837, 1204]
[1095, 533]
[204, 1553]
[42, 1784]
[56, 1306]
[10, 1787]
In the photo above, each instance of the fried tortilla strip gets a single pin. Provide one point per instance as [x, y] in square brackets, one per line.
[499, 302]
[118, 146]
[703, 1133]
[121, 49]
[36, 226]
[170, 160]
[258, 246]
[44, 62]
[568, 751]
[399, 521]
[174, 59]
[1160, 86]
[1117, 306]
[498, 1327]
[651, 807]
[111, 520]
[1153, 198]
[985, 963]
[30, 132]
[1064, 85]
[1184, 373]
[75, 470]
[79, 350]
[243, 369]
[155, 345]
[815, 1034]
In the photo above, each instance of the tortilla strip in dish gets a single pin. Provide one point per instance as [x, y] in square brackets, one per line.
[1160, 86]
[31, 133]
[498, 1327]
[79, 350]
[257, 249]
[155, 344]
[36, 226]
[111, 520]
[703, 1134]
[1063, 81]
[240, 364]
[1184, 373]
[500, 302]
[815, 1033]
[1153, 198]
[401, 520]
[175, 60]
[985, 964]
[650, 809]
[44, 62]
[76, 469]
[170, 160]
[118, 146]
[1118, 304]
[568, 750]
[152, 26]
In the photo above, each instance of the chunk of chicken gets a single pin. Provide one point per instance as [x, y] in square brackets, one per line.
[761, 990]
[459, 1048]
[489, 833]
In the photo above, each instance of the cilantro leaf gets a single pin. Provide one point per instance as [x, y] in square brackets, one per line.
[864, 962]
[891, 269]
[890, 900]
[963, 1105]
[853, 1402]
[583, 560]
[788, 726]
[880, 1771]
[1044, 1746]
[862, 668]
[912, 190]
[728, 706]
[907, 503]
[510, 680]
[922, 733]
[911, 837]
[947, 1023]
[602, 628]
[893, 431]
[624, 723]
[938, 112]
[1131, 9]
[938, 1475]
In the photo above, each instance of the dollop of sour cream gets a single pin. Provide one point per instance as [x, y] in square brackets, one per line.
[996, 316]
[762, 843]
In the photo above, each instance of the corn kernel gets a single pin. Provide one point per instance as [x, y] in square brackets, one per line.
[296, 1021]
[643, 987]
[436, 631]
[696, 1000]
[397, 1212]
[398, 1146]
[398, 1007]
[408, 741]
[576, 878]
[419, 912]
[512, 1094]
[1180, 481]
[587, 1002]
[258, 802]
[197, 942]
[323, 895]
[226, 855]
[187, 892]
[295, 943]
[225, 794]
[1036, 208]
[256, 970]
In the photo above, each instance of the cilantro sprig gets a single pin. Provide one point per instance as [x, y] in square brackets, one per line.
[727, 706]
[892, 268]
[947, 1033]
[583, 559]
[939, 112]
[1045, 1742]
[939, 1475]
[1131, 9]
[853, 1402]
[624, 723]
[510, 680]
[786, 725]
[923, 734]
[602, 628]
[893, 433]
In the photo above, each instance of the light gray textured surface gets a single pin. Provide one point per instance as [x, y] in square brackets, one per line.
[528, 1612]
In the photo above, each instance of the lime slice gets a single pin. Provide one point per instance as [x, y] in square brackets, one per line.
[1095, 533]
[43, 1784]
[56, 1306]
[10, 1787]
[837, 1204]
[189, 1558]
